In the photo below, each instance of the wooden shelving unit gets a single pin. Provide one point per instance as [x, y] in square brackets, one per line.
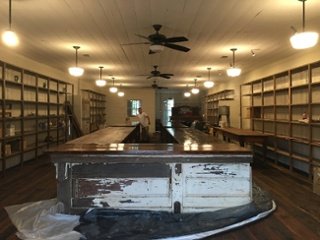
[213, 101]
[286, 105]
[93, 111]
[33, 117]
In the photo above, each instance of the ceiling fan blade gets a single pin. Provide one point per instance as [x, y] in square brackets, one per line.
[164, 76]
[142, 36]
[126, 44]
[167, 74]
[176, 39]
[177, 47]
[142, 75]
[150, 77]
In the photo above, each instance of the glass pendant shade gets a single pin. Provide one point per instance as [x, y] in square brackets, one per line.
[208, 83]
[187, 94]
[10, 38]
[101, 82]
[76, 71]
[113, 89]
[195, 90]
[233, 72]
[120, 94]
[304, 40]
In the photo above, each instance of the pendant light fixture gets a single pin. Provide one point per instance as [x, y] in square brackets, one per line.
[120, 92]
[113, 89]
[195, 89]
[187, 93]
[9, 37]
[208, 83]
[233, 71]
[101, 82]
[303, 40]
[76, 71]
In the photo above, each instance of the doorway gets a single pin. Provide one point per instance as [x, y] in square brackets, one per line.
[167, 106]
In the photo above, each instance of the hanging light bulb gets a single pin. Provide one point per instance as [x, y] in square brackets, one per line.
[9, 37]
[303, 40]
[233, 71]
[113, 89]
[187, 93]
[101, 82]
[208, 83]
[76, 71]
[120, 93]
[195, 89]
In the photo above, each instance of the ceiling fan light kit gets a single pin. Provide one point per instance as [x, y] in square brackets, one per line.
[76, 71]
[156, 48]
[9, 37]
[101, 82]
[233, 71]
[157, 73]
[303, 40]
[159, 41]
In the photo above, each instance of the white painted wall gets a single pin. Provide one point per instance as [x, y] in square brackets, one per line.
[116, 107]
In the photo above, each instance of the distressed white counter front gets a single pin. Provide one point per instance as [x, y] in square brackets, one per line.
[163, 177]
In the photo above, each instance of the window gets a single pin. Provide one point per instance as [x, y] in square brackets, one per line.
[132, 107]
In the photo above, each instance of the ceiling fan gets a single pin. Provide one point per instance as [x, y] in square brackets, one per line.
[158, 41]
[157, 73]
[156, 86]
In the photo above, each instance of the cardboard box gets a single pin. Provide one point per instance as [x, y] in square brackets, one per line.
[316, 180]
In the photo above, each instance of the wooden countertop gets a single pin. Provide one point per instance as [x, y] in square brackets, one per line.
[104, 136]
[241, 132]
[191, 135]
[108, 142]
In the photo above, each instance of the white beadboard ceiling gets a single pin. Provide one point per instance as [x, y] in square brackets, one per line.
[49, 28]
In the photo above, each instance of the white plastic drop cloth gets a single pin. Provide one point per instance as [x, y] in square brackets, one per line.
[43, 220]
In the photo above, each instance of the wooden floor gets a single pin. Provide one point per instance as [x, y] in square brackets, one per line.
[297, 215]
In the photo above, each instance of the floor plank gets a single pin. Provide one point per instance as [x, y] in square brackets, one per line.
[297, 215]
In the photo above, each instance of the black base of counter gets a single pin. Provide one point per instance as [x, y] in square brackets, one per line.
[102, 223]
